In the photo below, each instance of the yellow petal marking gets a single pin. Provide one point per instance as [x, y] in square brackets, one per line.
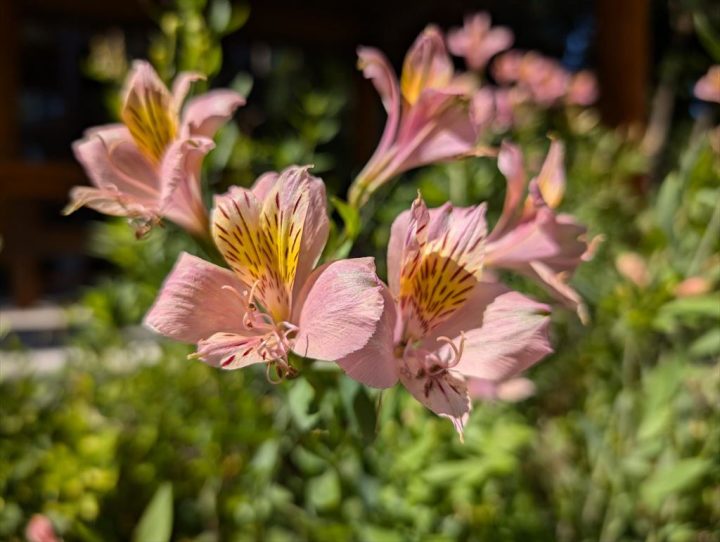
[262, 244]
[438, 275]
[150, 116]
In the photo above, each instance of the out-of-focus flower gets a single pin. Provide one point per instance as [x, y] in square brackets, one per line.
[544, 80]
[693, 286]
[40, 529]
[477, 41]
[443, 323]
[708, 86]
[530, 237]
[583, 89]
[506, 67]
[148, 167]
[511, 390]
[633, 267]
[428, 113]
[272, 302]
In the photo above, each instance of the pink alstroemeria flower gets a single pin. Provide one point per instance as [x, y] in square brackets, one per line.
[477, 41]
[708, 86]
[443, 322]
[583, 89]
[428, 113]
[271, 302]
[544, 80]
[148, 167]
[530, 238]
[40, 529]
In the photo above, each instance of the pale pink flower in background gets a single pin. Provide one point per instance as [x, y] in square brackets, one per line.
[633, 267]
[545, 79]
[506, 67]
[271, 302]
[477, 41]
[708, 86]
[148, 167]
[583, 88]
[40, 529]
[428, 111]
[530, 238]
[693, 286]
[511, 390]
[443, 323]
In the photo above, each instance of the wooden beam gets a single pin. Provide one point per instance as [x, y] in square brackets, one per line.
[623, 49]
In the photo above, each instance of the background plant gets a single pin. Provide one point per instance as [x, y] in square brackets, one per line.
[621, 441]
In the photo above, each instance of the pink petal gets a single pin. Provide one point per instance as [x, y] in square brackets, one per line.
[111, 160]
[510, 163]
[338, 309]
[513, 337]
[375, 67]
[556, 284]
[375, 364]
[107, 201]
[197, 300]
[231, 350]
[205, 114]
[469, 316]
[148, 110]
[551, 179]
[708, 86]
[274, 241]
[40, 529]
[482, 109]
[315, 228]
[446, 394]
[427, 65]
[264, 184]
[180, 176]
[583, 89]
[438, 127]
[456, 233]
[181, 86]
[396, 249]
[477, 41]
[555, 239]
[442, 259]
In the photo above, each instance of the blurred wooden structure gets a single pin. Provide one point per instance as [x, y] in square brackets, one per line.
[26, 187]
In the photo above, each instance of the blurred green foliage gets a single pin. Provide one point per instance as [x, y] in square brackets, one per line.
[621, 441]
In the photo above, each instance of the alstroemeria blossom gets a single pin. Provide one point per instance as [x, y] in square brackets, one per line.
[148, 167]
[708, 86]
[429, 118]
[443, 322]
[543, 80]
[477, 41]
[271, 302]
[530, 237]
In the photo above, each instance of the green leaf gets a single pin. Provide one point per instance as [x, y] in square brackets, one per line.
[707, 345]
[219, 16]
[364, 410]
[707, 35]
[323, 492]
[240, 15]
[673, 478]
[349, 215]
[300, 399]
[157, 519]
[668, 200]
